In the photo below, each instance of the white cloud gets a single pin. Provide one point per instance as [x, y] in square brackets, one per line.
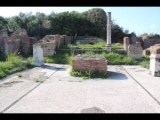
[153, 26]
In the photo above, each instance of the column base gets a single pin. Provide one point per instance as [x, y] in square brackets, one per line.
[108, 48]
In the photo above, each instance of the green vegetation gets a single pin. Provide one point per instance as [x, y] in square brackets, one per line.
[89, 74]
[19, 74]
[99, 45]
[13, 63]
[113, 58]
[88, 23]
[68, 46]
[61, 57]
[117, 46]
[145, 62]
[41, 81]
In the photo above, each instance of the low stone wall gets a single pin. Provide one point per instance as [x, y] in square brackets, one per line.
[89, 63]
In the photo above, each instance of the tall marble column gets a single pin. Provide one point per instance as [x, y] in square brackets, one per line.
[108, 32]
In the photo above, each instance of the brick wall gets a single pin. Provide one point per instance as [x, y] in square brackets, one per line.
[89, 62]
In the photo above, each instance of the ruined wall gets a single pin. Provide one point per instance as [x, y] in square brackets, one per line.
[3, 42]
[65, 39]
[32, 41]
[62, 40]
[145, 41]
[149, 41]
[58, 40]
[48, 48]
[51, 38]
[135, 51]
[13, 45]
[87, 63]
[19, 41]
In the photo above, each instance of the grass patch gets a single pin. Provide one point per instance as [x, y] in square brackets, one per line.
[13, 63]
[19, 74]
[89, 74]
[145, 62]
[41, 81]
[61, 57]
[68, 46]
[98, 45]
[101, 44]
[117, 46]
[114, 58]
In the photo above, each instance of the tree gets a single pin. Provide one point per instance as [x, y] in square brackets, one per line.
[98, 17]
[3, 23]
[12, 25]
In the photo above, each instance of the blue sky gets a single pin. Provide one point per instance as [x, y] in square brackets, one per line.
[135, 19]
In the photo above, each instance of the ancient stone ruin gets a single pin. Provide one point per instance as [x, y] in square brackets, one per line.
[135, 51]
[145, 41]
[47, 47]
[146, 51]
[19, 41]
[89, 63]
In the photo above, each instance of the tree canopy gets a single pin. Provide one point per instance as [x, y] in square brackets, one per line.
[92, 22]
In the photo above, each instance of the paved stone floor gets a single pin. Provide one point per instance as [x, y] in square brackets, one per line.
[129, 89]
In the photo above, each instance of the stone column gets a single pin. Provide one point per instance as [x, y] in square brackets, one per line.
[125, 43]
[38, 55]
[109, 32]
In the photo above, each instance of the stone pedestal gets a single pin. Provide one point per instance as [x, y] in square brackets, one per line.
[38, 55]
[155, 65]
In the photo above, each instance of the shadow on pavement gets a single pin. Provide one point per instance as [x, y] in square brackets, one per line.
[117, 76]
[53, 68]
